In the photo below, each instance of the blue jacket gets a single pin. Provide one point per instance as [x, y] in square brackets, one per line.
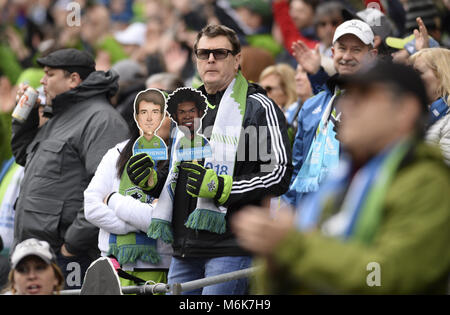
[308, 121]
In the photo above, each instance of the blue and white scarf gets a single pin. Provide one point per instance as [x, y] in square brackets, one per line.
[364, 194]
[323, 155]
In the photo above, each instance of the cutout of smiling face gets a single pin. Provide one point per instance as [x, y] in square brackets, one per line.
[149, 113]
[187, 107]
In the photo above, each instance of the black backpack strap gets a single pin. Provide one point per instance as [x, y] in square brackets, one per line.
[126, 275]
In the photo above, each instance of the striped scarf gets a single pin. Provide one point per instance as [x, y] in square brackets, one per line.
[323, 155]
[133, 246]
[358, 215]
[224, 143]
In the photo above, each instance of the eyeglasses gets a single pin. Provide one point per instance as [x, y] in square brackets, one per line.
[334, 23]
[219, 54]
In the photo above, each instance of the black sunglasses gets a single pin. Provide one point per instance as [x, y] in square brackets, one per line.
[219, 54]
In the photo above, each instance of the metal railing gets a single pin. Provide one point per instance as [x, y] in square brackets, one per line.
[178, 288]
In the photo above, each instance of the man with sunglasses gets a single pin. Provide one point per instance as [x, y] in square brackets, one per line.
[229, 184]
[217, 49]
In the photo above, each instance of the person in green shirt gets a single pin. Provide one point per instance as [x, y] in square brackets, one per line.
[379, 224]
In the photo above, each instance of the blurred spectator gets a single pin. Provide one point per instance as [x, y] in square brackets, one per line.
[446, 23]
[411, 44]
[191, 13]
[295, 19]
[328, 16]
[5, 267]
[279, 82]
[381, 26]
[132, 39]
[68, 35]
[177, 56]
[10, 67]
[131, 81]
[97, 33]
[10, 177]
[164, 81]
[304, 91]
[302, 13]
[30, 76]
[427, 11]
[153, 35]
[121, 12]
[433, 64]
[374, 227]
[256, 15]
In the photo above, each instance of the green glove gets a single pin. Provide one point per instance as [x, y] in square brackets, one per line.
[205, 183]
[141, 172]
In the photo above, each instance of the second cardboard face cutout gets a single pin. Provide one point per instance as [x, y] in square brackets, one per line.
[149, 113]
[187, 107]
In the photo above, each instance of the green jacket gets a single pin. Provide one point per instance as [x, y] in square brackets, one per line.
[411, 244]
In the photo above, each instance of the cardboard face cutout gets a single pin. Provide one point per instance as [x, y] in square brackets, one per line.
[187, 107]
[149, 113]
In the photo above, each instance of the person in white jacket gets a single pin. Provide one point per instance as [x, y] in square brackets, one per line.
[123, 214]
[433, 64]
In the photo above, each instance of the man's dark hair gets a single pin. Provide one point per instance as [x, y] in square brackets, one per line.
[185, 95]
[212, 31]
[152, 96]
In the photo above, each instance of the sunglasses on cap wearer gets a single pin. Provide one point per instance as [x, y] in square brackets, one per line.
[219, 54]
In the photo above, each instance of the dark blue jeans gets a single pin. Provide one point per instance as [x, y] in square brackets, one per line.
[188, 269]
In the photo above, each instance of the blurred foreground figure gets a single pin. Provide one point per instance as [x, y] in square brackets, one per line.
[379, 224]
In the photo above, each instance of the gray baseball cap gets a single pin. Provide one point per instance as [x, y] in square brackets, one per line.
[32, 247]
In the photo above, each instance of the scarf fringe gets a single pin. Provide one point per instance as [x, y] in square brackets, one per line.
[160, 229]
[310, 184]
[204, 219]
[131, 253]
[306, 185]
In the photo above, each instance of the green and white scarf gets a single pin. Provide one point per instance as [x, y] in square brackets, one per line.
[224, 143]
[133, 246]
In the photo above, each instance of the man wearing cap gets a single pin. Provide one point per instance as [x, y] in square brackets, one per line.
[352, 50]
[61, 157]
[374, 227]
